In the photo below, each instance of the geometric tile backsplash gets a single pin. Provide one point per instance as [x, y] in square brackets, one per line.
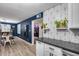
[53, 14]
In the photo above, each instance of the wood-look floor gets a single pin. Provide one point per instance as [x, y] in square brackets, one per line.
[20, 48]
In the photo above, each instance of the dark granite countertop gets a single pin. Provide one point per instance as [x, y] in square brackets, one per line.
[61, 44]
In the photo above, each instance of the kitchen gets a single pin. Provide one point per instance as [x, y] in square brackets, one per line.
[48, 29]
[62, 40]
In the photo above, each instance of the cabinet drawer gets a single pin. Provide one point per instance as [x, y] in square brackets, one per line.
[52, 50]
[47, 53]
[49, 47]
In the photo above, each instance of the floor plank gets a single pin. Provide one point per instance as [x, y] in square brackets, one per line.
[20, 48]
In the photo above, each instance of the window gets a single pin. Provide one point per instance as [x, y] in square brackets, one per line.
[19, 28]
[5, 27]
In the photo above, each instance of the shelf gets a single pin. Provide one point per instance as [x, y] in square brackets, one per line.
[61, 28]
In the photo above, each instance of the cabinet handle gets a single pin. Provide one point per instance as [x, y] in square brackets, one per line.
[39, 42]
[51, 54]
[51, 48]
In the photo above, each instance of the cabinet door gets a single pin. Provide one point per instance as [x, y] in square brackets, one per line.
[75, 16]
[39, 48]
[52, 50]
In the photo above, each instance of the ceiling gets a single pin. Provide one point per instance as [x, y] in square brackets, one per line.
[17, 12]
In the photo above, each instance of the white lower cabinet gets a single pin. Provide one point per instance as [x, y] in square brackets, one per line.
[39, 48]
[43, 49]
[52, 50]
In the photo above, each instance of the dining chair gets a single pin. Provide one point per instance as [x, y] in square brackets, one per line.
[12, 40]
[7, 41]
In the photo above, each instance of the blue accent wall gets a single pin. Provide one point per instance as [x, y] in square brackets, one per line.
[28, 22]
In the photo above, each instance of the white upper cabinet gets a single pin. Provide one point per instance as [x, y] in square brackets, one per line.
[74, 15]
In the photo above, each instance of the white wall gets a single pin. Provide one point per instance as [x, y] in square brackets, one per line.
[59, 12]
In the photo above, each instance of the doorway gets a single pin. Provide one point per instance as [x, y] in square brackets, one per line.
[36, 30]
